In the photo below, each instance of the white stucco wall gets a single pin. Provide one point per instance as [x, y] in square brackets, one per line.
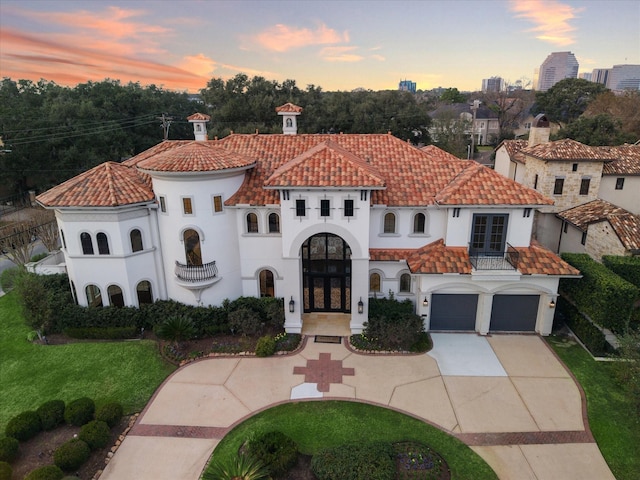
[627, 198]
[435, 221]
[518, 226]
[508, 168]
[570, 241]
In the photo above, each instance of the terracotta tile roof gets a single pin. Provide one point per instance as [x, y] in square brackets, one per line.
[477, 184]
[627, 162]
[195, 156]
[326, 165]
[569, 150]
[624, 223]
[156, 149]
[107, 185]
[513, 147]
[437, 258]
[537, 260]
[199, 116]
[438, 154]
[390, 254]
[289, 108]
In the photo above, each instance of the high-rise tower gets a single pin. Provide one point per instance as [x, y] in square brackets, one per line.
[556, 67]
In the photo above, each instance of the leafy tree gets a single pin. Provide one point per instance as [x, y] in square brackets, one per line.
[452, 95]
[451, 132]
[567, 99]
[624, 108]
[511, 105]
[595, 131]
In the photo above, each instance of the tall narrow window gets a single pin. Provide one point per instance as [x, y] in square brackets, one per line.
[418, 223]
[267, 288]
[405, 283]
[558, 186]
[144, 293]
[348, 208]
[94, 297]
[583, 240]
[136, 240]
[584, 186]
[389, 223]
[274, 223]
[87, 243]
[116, 299]
[565, 227]
[163, 204]
[217, 203]
[192, 250]
[374, 282]
[619, 183]
[187, 206]
[64, 242]
[574, 167]
[103, 243]
[301, 208]
[535, 182]
[252, 223]
[325, 208]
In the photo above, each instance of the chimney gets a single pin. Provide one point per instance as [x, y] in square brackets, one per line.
[540, 131]
[289, 112]
[199, 121]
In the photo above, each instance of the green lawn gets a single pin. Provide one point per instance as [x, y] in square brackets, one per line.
[127, 372]
[614, 422]
[317, 425]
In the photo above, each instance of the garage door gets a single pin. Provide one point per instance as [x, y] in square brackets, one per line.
[514, 313]
[453, 312]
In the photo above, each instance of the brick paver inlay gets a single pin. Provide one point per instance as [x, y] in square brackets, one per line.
[323, 371]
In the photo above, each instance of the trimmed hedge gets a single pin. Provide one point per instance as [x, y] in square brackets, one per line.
[71, 455]
[627, 267]
[373, 461]
[96, 434]
[24, 426]
[8, 449]
[101, 333]
[604, 296]
[79, 411]
[48, 472]
[51, 414]
[110, 413]
[586, 331]
[393, 325]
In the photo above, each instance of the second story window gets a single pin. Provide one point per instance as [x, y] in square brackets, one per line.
[252, 223]
[274, 223]
[558, 186]
[187, 205]
[136, 240]
[535, 182]
[418, 223]
[325, 208]
[619, 183]
[87, 243]
[301, 208]
[163, 204]
[217, 203]
[389, 223]
[348, 208]
[584, 186]
[103, 243]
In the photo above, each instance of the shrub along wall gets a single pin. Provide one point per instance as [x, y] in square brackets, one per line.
[604, 296]
[590, 335]
[627, 267]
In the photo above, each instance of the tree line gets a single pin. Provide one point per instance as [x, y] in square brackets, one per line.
[51, 133]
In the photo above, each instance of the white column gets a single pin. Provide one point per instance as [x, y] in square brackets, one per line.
[483, 316]
[544, 322]
[359, 290]
[292, 290]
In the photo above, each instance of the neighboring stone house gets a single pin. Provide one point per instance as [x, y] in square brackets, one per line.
[324, 221]
[600, 228]
[620, 182]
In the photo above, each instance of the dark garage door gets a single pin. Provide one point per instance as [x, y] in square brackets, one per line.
[514, 313]
[453, 312]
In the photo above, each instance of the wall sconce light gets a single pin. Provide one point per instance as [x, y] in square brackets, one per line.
[552, 304]
[292, 305]
[425, 302]
[360, 306]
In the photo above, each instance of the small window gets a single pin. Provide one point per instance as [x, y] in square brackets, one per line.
[325, 208]
[87, 243]
[583, 240]
[526, 213]
[374, 282]
[163, 204]
[252, 223]
[348, 208]
[535, 182]
[136, 240]
[187, 206]
[619, 183]
[217, 203]
[405, 283]
[301, 208]
[274, 223]
[584, 186]
[456, 212]
[565, 227]
[103, 244]
[558, 186]
[389, 223]
[64, 242]
[418, 223]
[574, 167]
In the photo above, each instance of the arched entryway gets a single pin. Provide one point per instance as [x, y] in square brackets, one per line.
[326, 267]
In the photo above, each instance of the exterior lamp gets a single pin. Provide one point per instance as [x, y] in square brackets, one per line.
[360, 306]
[425, 302]
[292, 305]
[552, 304]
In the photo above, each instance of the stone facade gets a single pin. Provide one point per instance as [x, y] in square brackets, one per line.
[602, 240]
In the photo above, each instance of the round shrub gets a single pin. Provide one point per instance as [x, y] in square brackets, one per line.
[275, 450]
[111, 413]
[79, 411]
[244, 321]
[266, 346]
[5, 471]
[24, 426]
[8, 449]
[51, 414]
[48, 472]
[96, 434]
[71, 455]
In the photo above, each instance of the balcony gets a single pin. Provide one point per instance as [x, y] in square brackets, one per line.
[494, 260]
[196, 273]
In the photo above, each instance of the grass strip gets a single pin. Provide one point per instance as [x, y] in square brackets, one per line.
[316, 425]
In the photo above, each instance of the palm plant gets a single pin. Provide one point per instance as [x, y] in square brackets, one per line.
[240, 467]
[176, 329]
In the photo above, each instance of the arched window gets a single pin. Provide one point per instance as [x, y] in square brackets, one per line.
[267, 288]
[252, 223]
[116, 299]
[145, 295]
[405, 283]
[136, 240]
[87, 244]
[192, 248]
[274, 223]
[419, 223]
[94, 297]
[103, 243]
[289, 123]
[374, 282]
[389, 223]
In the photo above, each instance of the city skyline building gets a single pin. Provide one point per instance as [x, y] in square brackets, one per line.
[557, 66]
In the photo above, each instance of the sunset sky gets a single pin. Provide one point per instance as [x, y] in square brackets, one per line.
[338, 45]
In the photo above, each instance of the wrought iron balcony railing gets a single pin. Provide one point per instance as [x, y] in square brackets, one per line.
[494, 260]
[196, 273]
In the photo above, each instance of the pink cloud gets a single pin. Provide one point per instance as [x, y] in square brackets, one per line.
[281, 38]
[550, 17]
[340, 54]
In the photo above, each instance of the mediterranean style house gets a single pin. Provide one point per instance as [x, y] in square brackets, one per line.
[324, 221]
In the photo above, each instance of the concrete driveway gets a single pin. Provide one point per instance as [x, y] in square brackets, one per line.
[506, 396]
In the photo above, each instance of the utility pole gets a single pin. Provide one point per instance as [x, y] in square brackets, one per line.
[166, 123]
[474, 108]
